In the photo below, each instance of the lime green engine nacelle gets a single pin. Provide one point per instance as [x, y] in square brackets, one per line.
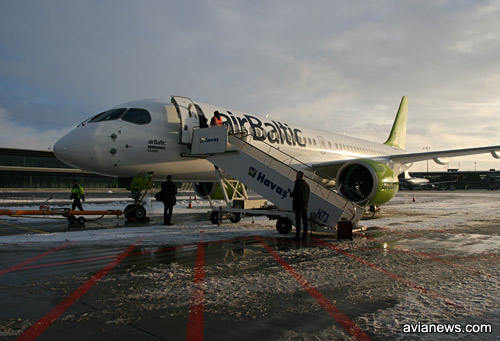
[212, 189]
[367, 181]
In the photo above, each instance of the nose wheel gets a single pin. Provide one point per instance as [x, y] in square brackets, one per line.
[137, 212]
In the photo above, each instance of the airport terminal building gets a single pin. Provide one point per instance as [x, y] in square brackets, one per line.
[23, 168]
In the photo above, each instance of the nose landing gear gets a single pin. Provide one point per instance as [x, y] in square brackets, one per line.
[137, 211]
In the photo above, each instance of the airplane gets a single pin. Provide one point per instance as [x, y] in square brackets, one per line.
[410, 182]
[152, 137]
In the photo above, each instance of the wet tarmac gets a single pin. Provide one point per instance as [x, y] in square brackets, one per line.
[411, 268]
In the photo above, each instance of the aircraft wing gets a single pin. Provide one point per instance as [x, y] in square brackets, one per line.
[415, 157]
[330, 168]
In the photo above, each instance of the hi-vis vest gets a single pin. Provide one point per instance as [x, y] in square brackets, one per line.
[77, 191]
[217, 121]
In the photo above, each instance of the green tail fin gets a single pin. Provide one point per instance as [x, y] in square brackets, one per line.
[397, 138]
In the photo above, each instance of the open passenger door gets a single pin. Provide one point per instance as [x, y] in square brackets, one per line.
[188, 115]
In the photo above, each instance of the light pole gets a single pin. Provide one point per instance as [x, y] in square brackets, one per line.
[427, 148]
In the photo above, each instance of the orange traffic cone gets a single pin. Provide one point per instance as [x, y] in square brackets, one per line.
[195, 197]
[190, 204]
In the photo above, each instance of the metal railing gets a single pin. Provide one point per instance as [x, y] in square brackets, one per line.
[267, 157]
[313, 172]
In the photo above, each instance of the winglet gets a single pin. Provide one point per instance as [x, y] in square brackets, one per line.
[397, 138]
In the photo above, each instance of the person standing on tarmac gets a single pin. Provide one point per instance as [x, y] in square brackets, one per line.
[169, 192]
[216, 120]
[300, 203]
[77, 194]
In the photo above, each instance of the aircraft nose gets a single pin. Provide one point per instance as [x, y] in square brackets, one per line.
[68, 148]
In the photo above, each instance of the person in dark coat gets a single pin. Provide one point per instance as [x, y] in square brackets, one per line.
[169, 191]
[300, 203]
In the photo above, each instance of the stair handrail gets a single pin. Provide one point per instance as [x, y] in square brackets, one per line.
[241, 134]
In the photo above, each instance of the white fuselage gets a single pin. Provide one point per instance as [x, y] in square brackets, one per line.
[123, 149]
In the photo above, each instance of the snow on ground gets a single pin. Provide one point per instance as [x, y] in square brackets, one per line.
[455, 212]
[181, 233]
[387, 304]
[430, 211]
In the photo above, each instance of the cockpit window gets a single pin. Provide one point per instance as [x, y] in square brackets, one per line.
[109, 115]
[137, 116]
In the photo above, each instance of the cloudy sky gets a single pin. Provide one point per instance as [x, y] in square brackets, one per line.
[339, 65]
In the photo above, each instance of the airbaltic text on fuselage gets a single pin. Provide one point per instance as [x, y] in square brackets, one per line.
[273, 132]
[155, 145]
[261, 177]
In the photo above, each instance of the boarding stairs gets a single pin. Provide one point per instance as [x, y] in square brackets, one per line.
[269, 174]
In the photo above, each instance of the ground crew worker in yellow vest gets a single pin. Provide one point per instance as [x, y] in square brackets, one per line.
[216, 120]
[77, 194]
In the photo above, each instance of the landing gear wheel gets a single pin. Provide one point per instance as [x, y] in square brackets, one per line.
[140, 213]
[137, 212]
[284, 225]
[129, 211]
[81, 220]
[214, 218]
[235, 218]
[71, 219]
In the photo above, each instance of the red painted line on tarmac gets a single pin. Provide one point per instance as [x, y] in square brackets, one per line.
[389, 274]
[31, 260]
[196, 322]
[39, 327]
[330, 308]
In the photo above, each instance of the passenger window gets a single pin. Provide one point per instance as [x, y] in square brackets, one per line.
[309, 140]
[299, 140]
[329, 145]
[109, 115]
[314, 141]
[137, 116]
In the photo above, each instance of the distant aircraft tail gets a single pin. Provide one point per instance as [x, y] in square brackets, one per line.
[397, 138]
